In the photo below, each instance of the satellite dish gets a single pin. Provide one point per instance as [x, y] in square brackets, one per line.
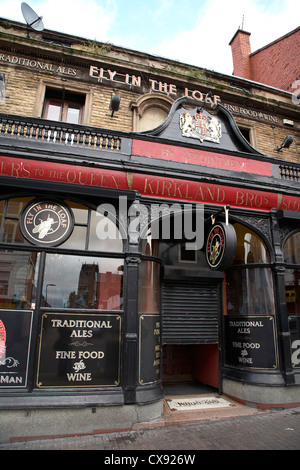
[32, 19]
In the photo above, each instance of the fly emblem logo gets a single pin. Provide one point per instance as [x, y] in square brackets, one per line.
[220, 246]
[46, 223]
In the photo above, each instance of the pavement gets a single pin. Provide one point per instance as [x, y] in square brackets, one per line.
[180, 436]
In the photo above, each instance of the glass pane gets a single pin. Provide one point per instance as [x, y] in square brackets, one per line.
[77, 240]
[250, 247]
[83, 282]
[54, 112]
[73, 114]
[292, 291]
[104, 234]
[80, 212]
[2, 206]
[149, 287]
[15, 206]
[150, 246]
[250, 292]
[18, 274]
[292, 249]
[12, 233]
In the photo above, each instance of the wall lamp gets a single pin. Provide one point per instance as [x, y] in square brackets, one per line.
[114, 103]
[286, 143]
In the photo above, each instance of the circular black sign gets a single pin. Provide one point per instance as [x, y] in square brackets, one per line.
[46, 223]
[220, 246]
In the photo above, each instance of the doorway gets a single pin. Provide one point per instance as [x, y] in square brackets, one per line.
[191, 312]
[194, 368]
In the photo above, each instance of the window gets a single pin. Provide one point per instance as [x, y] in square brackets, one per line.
[2, 88]
[250, 284]
[249, 134]
[69, 281]
[292, 274]
[149, 287]
[292, 292]
[150, 111]
[92, 231]
[63, 105]
[17, 279]
[82, 282]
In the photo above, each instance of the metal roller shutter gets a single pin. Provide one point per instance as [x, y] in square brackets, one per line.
[190, 312]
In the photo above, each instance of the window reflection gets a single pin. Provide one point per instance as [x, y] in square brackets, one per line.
[292, 291]
[250, 292]
[292, 249]
[149, 287]
[82, 282]
[18, 274]
[250, 247]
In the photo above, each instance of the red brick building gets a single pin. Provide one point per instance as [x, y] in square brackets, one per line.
[277, 64]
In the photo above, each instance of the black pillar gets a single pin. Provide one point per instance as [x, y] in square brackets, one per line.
[284, 335]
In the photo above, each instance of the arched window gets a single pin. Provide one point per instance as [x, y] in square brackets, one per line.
[150, 111]
[249, 282]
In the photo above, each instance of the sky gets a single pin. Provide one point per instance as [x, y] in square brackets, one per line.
[195, 32]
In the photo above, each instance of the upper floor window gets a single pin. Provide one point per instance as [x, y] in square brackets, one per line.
[150, 110]
[63, 105]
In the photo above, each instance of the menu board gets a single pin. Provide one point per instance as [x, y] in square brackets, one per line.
[250, 342]
[149, 348]
[79, 350]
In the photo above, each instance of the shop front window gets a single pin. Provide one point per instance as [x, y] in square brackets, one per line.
[81, 282]
[250, 292]
[292, 292]
[250, 286]
[18, 271]
[292, 274]
[92, 231]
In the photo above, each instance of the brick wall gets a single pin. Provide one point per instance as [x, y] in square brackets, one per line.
[278, 64]
[240, 48]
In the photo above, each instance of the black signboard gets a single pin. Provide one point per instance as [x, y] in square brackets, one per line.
[15, 333]
[250, 342]
[220, 246]
[79, 350]
[294, 324]
[149, 348]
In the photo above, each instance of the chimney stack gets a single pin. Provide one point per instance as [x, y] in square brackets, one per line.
[241, 50]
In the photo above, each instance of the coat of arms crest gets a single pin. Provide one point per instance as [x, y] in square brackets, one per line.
[200, 127]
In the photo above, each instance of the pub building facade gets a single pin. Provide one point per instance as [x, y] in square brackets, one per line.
[149, 232]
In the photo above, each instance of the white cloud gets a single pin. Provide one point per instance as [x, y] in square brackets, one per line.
[207, 45]
[89, 18]
[84, 18]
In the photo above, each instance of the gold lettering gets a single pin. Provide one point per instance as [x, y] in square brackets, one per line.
[148, 185]
[239, 198]
[69, 178]
[15, 167]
